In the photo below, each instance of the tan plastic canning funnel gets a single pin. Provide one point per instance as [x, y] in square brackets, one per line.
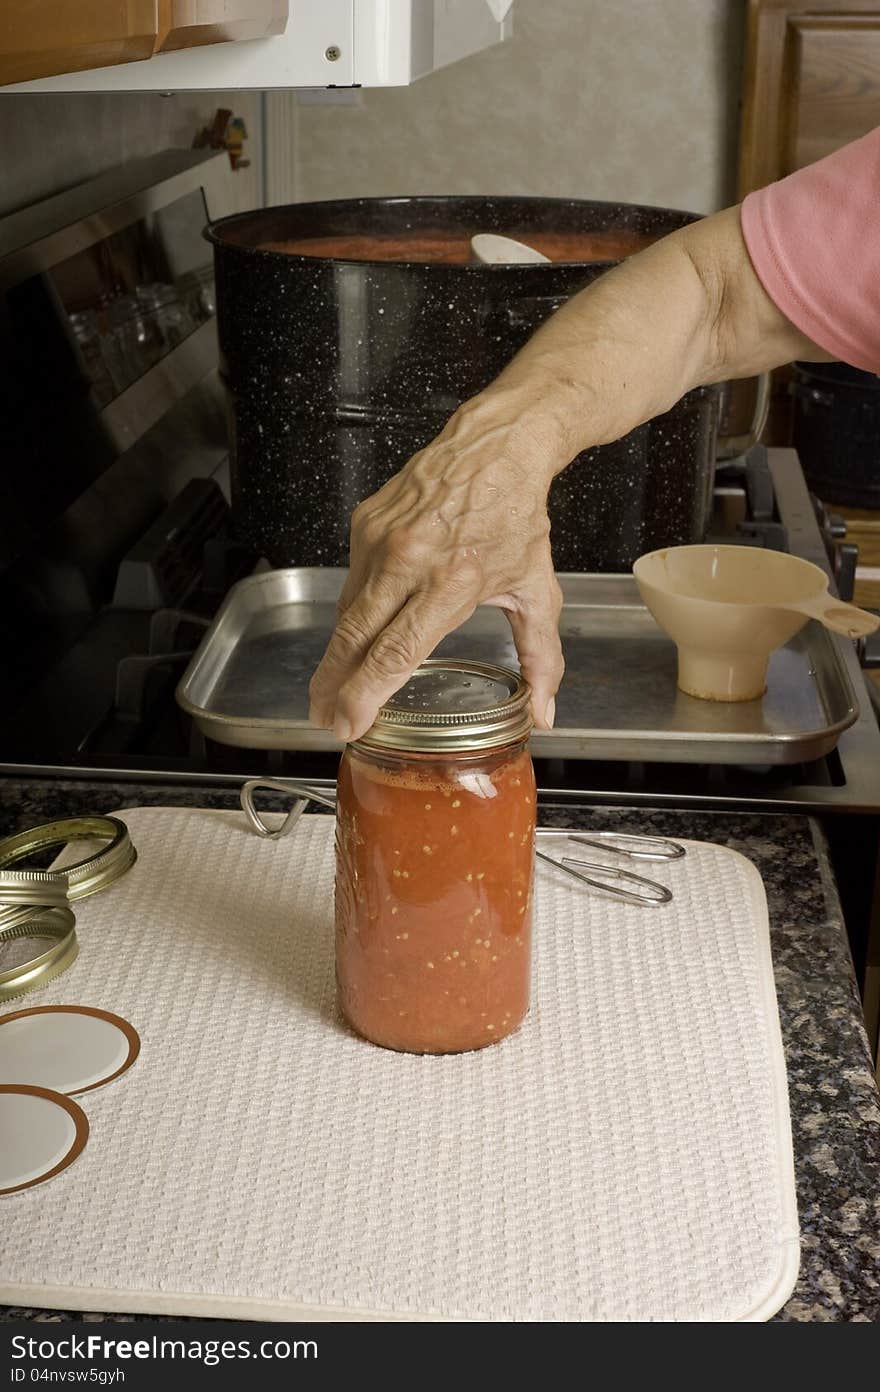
[727, 608]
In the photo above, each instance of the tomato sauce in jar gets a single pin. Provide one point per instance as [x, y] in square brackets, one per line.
[435, 822]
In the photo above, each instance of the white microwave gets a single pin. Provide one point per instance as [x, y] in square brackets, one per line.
[325, 43]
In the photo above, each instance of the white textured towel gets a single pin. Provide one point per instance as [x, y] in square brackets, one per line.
[626, 1156]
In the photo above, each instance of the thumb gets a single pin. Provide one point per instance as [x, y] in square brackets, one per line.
[534, 623]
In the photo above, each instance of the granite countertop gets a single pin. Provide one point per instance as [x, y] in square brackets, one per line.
[835, 1108]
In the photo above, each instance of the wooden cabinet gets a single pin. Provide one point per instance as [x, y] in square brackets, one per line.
[812, 83]
[41, 38]
[188, 23]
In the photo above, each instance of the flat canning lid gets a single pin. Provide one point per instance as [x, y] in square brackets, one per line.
[451, 707]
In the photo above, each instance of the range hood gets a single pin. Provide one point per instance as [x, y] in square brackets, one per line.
[326, 43]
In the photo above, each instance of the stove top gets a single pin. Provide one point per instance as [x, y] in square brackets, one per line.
[116, 547]
[90, 687]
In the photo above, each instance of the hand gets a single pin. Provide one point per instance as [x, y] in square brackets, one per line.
[464, 523]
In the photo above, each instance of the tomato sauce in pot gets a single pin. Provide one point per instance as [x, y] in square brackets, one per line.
[434, 873]
[454, 249]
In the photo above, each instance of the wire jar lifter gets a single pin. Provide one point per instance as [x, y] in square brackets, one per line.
[611, 879]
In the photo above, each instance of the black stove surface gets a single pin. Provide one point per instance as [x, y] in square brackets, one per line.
[93, 689]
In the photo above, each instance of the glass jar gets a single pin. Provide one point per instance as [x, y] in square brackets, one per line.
[169, 319]
[198, 295]
[436, 813]
[87, 334]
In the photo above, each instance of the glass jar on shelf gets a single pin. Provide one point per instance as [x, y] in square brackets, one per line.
[160, 304]
[197, 294]
[87, 335]
[132, 343]
[436, 815]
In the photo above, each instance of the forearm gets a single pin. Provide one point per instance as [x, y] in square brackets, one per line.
[686, 311]
[465, 521]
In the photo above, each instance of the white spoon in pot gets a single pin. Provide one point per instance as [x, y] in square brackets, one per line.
[494, 250]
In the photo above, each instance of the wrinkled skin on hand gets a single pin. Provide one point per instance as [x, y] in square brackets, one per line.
[464, 523]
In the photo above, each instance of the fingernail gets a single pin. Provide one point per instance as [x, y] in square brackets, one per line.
[342, 729]
[550, 713]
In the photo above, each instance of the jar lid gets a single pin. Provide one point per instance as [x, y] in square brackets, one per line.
[86, 876]
[453, 706]
[43, 1133]
[57, 925]
[68, 1048]
[30, 889]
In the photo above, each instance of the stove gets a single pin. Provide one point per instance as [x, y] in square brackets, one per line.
[116, 543]
[93, 690]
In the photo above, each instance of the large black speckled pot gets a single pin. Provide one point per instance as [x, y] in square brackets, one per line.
[338, 371]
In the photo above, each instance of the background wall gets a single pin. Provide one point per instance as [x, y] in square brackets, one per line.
[620, 99]
[51, 143]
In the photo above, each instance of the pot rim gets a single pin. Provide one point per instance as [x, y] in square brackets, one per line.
[216, 228]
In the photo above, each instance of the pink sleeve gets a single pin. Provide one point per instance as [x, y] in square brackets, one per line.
[814, 240]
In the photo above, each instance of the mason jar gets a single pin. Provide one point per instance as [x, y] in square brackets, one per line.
[435, 829]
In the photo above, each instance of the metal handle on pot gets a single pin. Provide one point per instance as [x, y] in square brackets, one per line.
[732, 446]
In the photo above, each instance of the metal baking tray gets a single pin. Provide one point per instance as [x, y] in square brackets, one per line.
[247, 684]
